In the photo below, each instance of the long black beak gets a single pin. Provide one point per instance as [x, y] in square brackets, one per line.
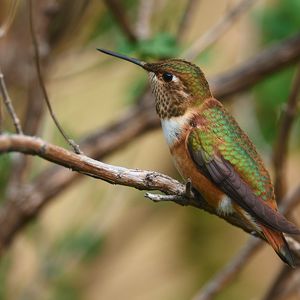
[121, 56]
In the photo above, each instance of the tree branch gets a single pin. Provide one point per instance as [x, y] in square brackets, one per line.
[139, 179]
[34, 104]
[132, 124]
[256, 69]
[42, 84]
[279, 161]
[281, 146]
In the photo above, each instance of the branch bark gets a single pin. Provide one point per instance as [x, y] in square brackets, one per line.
[132, 124]
[139, 179]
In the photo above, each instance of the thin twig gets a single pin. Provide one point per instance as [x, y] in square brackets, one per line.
[167, 198]
[139, 179]
[8, 105]
[132, 124]
[212, 35]
[130, 177]
[119, 13]
[281, 146]
[41, 82]
[33, 106]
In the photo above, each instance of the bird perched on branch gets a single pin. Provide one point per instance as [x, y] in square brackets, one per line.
[212, 152]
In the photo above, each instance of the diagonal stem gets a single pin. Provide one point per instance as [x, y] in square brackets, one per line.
[8, 105]
[212, 35]
[43, 87]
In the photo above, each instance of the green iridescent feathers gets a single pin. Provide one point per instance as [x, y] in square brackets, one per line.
[220, 135]
[190, 75]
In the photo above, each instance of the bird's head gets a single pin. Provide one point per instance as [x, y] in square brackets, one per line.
[176, 84]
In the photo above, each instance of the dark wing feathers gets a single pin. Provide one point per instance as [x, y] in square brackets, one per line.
[223, 174]
[232, 184]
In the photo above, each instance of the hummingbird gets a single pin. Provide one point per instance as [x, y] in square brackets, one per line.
[212, 152]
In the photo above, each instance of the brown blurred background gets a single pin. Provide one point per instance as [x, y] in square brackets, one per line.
[98, 241]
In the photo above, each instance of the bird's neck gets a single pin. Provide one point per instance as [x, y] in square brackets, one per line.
[175, 128]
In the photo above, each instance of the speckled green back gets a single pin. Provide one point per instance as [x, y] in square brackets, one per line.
[220, 134]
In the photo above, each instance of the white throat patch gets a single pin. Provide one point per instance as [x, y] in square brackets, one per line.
[172, 128]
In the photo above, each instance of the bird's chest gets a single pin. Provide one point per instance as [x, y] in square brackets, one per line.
[176, 132]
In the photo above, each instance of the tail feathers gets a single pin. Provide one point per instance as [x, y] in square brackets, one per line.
[279, 244]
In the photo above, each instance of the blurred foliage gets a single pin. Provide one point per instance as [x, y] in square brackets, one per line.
[66, 288]
[105, 23]
[277, 22]
[84, 243]
[161, 45]
[280, 20]
[63, 263]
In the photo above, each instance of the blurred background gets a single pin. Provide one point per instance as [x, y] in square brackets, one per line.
[99, 241]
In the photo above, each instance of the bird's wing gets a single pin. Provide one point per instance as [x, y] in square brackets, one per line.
[225, 155]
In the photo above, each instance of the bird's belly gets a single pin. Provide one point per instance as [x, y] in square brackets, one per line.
[189, 171]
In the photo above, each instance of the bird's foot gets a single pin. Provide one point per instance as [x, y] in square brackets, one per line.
[189, 190]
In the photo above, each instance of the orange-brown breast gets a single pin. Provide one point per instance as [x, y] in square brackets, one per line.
[188, 170]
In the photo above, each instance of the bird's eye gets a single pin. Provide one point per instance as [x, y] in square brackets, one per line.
[167, 77]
